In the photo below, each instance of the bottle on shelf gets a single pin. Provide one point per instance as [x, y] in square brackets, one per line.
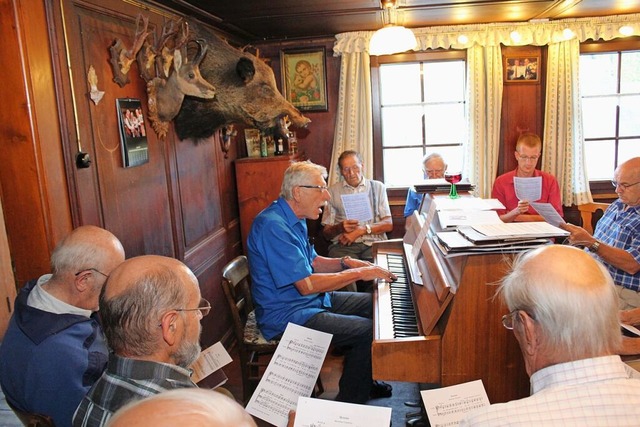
[263, 147]
[279, 148]
[293, 143]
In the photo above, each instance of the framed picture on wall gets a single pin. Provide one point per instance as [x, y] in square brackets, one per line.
[304, 78]
[133, 133]
[252, 138]
[521, 69]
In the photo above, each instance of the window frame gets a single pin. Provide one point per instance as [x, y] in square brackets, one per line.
[376, 61]
[602, 188]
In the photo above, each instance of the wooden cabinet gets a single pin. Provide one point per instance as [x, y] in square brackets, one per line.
[258, 181]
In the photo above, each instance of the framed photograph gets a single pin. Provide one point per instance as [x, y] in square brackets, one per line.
[133, 133]
[304, 78]
[521, 69]
[252, 138]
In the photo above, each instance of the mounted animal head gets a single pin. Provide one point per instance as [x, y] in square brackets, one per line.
[121, 57]
[166, 96]
[246, 92]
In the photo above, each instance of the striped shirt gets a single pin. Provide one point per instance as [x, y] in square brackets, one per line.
[601, 391]
[621, 229]
[126, 380]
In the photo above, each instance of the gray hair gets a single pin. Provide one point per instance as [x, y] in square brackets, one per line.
[85, 247]
[299, 173]
[577, 313]
[348, 153]
[199, 407]
[432, 156]
[130, 318]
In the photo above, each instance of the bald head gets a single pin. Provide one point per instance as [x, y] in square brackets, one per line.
[191, 407]
[571, 297]
[139, 296]
[85, 247]
[627, 175]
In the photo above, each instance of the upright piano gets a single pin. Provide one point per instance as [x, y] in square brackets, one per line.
[440, 322]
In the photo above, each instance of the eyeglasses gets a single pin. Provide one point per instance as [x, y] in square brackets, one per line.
[623, 185]
[91, 269]
[350, 169]
[528, 158]
[205, 307]
[434, 171]
[317, 187]
[507, 319]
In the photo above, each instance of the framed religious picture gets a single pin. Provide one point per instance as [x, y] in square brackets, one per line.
[304, 78]
[133, 133]
[521, 69]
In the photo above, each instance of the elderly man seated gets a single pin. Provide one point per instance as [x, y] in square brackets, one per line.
[566, 322]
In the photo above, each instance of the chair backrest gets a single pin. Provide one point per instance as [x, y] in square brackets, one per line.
[236, 283]
[32, 420]
[590, 215]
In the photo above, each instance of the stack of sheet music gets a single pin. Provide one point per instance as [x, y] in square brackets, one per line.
[509, 237]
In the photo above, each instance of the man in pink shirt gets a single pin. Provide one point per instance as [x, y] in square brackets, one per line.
[527, 153]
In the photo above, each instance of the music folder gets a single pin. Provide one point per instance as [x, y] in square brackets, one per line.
[514, 231]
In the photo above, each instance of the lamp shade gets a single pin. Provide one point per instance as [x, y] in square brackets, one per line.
[392, 39]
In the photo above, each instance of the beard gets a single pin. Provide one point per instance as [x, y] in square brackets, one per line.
[187, 353]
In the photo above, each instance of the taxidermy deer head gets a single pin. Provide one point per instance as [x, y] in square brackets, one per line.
[121, 57]
[166, 96]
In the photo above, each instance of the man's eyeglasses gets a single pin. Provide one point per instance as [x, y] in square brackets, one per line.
[317, 187]
[434, 171]
[623, 185]
[91, 269]
[205, 307]
[350, 169]
[528, 158]
[507, 319]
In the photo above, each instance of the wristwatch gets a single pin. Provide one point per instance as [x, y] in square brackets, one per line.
[594, 247]
[368, 227]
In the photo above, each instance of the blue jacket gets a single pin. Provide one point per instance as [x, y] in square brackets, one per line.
[49, 361]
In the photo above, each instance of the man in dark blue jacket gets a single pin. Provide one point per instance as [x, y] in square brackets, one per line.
[54, 348]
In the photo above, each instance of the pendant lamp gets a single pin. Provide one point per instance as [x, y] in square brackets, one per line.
[392, 38]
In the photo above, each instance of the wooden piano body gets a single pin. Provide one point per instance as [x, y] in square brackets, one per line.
[459, 315]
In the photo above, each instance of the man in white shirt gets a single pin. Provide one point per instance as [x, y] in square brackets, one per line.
[563, 312]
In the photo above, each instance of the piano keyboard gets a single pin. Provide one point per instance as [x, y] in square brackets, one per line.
[399, 300]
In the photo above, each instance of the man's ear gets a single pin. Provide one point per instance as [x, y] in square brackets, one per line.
[530, 334]
[81, 281]
[169, 325]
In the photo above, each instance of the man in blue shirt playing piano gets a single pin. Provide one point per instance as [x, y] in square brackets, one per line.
[292, 283]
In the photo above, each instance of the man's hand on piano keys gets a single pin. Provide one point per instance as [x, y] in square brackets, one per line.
[373, 272]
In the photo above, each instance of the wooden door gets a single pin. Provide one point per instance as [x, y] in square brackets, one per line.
[7, 282]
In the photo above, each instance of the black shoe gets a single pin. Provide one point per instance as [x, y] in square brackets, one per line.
[380, 389]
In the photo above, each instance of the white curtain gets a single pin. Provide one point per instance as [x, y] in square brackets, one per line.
[354, 129]
[484, 95]
[563, 154]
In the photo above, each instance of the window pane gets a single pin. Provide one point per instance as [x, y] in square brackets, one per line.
[629, 109]
[402, 166]
[439, 77]
[630, 72]
[599, 117]
[451, 155]
[445, 124]
[402, 126]
[600, 157]
[628, 149]
[599, 74]
[400, 84]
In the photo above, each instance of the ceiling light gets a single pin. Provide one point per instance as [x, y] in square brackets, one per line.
[392, 38]
[626, 30]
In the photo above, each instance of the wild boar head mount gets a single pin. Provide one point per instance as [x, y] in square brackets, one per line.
[246, 93]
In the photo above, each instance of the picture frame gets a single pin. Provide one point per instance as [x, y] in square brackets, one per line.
[521, 69]
[133, 132]
[252, 139]
[304, 78]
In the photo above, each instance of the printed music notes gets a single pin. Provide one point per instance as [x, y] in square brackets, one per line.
[292, 372]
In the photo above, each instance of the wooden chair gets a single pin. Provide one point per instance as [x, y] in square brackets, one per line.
[254, 350]
[31, 420]
[591, 213]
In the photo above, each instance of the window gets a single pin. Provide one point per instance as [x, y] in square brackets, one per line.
[421, 105]
[610, 90]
